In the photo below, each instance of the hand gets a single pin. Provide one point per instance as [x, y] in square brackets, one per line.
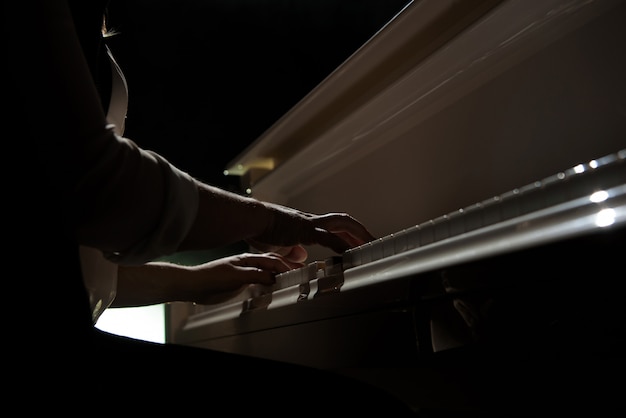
[222, 279]
[224, 217]
[212, 282]
[290, 229]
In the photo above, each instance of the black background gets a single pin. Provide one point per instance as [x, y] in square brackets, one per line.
[207, 78]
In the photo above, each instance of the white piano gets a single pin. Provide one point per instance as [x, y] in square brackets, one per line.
[484, 143]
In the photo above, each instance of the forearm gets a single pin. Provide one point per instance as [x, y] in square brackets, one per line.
[149, 284]
[224, 218]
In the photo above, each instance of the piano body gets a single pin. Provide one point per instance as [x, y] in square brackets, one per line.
[484, 142]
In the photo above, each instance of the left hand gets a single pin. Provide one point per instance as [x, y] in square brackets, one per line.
[218, 280]
[212, 282]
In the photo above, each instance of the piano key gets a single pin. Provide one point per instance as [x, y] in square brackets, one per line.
[376, 249]
[456, 222]
[531, 201]
[332, 266]
[491, 210]
[473, 217]
[389, 244]
[509, 205]
[551, 185]
[441, 228]
[413, 237]
[365, 253]
[426, 233]
[399, 241]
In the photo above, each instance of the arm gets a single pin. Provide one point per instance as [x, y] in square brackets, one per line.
[126, 201]
[269, 227]
[208, 283]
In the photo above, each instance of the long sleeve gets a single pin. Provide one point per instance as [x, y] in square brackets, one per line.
[117, 197]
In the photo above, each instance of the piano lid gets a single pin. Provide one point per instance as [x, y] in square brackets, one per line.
[431, 54]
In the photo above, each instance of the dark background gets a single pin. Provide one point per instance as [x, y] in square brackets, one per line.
[207, 78]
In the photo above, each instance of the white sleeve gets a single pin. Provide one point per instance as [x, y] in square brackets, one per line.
[181, 207]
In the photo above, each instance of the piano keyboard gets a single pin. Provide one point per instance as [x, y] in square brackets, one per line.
[570, 203]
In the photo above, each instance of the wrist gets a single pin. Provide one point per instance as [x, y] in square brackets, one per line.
[224, 218]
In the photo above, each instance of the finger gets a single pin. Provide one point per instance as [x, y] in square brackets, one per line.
[281, 264]
[270, 262]
[266, 248]
[350, 239]
[294, 253]
[345, 227]
[332, 241]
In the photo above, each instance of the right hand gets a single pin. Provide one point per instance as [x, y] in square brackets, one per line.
[289, 229]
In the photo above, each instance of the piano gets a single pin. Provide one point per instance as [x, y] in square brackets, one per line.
[484, 143]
